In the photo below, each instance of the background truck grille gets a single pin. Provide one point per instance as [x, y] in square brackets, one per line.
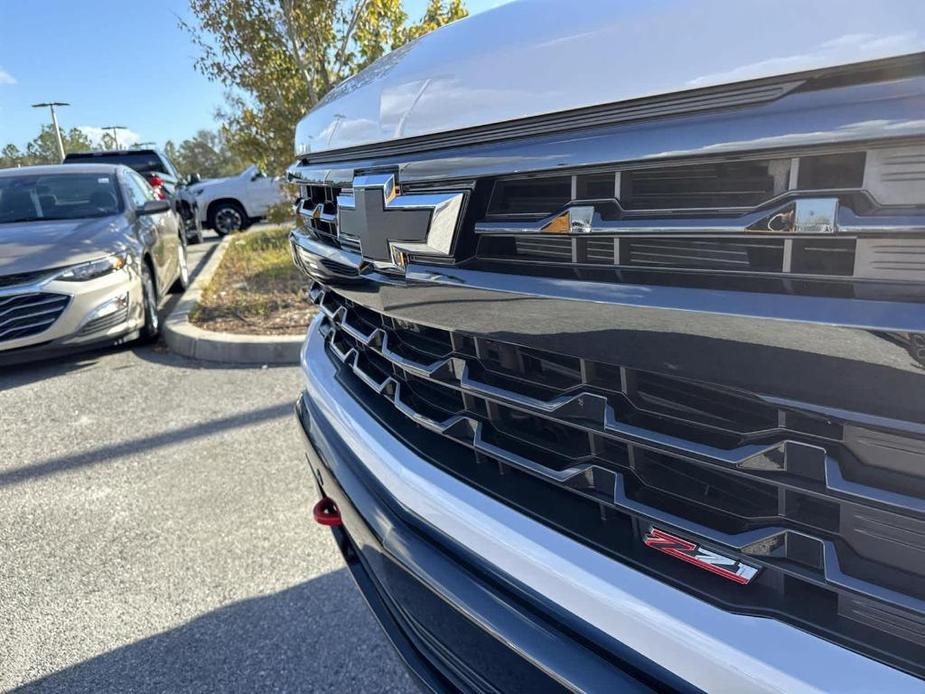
[603, 453]
[23, 315]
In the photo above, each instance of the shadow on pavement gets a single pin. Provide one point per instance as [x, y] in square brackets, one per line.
[316, 636]
[17, 375]
[160, 354]
[147, 443]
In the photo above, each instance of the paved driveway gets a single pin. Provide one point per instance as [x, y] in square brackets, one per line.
[155, 535]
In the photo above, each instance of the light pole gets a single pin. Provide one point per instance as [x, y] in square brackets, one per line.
[54, 122]
[115, 135]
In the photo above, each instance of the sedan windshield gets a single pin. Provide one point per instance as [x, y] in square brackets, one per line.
[33, 197]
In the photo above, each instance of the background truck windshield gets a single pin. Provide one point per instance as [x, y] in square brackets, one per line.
[57, 196]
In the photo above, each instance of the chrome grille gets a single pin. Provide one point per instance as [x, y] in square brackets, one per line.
[744, 254]
[603, 452]
[554, 249]
[808, 257]
[317, 205]
[23, 315]
[704, 186]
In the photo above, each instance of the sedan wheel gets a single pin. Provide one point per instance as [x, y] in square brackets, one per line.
[152, 326]
[182, 281]
[194, 230]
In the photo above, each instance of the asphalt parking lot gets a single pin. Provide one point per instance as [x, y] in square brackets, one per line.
[156, 535]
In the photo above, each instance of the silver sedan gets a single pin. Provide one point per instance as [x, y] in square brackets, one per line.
[87, 253]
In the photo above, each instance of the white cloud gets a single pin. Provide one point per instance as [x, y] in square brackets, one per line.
[126, 137]
[6, 77]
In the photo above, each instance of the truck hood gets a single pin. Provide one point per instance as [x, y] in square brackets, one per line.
[215, 183]
[36, 246]
[208, 184]
[535, 57]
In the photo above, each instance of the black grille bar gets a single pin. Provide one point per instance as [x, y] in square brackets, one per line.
[22, 315]
[776, 496]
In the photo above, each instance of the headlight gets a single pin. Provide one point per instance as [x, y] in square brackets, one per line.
[95, 268]
[198, 191]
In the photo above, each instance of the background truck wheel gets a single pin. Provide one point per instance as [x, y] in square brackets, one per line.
[227, 217]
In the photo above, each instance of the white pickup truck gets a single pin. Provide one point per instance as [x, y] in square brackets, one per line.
[229, 204]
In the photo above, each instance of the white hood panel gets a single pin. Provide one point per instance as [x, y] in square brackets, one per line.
[534, 57]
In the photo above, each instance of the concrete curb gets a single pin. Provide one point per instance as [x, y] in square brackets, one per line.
[186, 339]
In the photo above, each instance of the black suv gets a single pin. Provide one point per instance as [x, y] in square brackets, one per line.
[160, 173]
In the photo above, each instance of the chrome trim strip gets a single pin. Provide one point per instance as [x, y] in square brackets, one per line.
[647, 327]
[36, 286]
[825, 121]
[753, 224]
[564, 121]
[821, 312]
[310, 255]
[713, 649]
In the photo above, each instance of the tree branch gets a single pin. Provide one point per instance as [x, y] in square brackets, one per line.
[288, 10]
[342, 52]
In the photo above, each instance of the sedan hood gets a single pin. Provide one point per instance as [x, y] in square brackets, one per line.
[43, 245]
[536, 57]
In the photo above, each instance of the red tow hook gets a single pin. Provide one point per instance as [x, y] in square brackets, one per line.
[326, 512]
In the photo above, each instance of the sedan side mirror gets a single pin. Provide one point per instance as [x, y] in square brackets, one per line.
[153, 207]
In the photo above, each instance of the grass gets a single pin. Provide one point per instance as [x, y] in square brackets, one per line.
[257, 289]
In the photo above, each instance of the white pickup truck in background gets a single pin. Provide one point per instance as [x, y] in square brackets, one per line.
[229, 204]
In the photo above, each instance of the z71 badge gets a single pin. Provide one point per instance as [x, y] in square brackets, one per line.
[706, 559]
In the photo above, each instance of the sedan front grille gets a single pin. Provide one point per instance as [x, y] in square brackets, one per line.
[23, 315]
[604, 453]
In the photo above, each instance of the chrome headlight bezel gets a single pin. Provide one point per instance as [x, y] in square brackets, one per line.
[93, 269]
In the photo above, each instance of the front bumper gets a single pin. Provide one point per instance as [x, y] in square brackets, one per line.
[89, 319]
[435, 556]
[453, 626]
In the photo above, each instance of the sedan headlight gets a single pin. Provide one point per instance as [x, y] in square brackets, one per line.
[94, 268]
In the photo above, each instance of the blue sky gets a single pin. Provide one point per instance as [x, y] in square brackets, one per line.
[116, 62]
